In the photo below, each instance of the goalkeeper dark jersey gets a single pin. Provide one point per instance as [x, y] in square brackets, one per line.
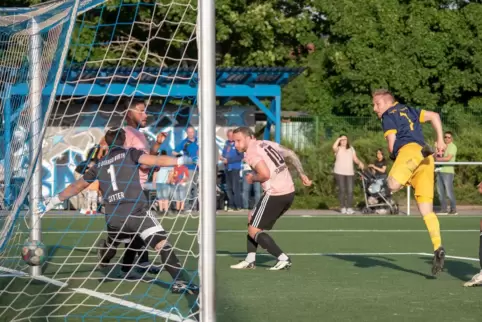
[118, 175]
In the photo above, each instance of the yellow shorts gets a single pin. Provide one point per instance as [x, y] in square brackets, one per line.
[411, 168]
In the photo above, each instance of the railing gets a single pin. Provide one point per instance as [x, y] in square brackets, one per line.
[409, 189]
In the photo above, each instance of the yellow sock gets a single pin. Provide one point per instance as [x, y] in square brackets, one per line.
[433, 227]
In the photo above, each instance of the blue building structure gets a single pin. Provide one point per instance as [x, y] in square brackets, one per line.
[256, 85]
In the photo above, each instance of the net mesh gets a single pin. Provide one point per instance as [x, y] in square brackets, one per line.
[120, 52]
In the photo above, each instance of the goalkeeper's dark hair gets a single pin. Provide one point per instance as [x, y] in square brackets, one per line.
[115, 137]
[245, 130]
[130, 104]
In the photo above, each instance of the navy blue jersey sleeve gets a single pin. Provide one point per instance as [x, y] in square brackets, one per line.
[420, 114]
[91, 174]
[135, 155]
[389, 125]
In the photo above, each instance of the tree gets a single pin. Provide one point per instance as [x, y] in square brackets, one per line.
[254, 33]
[426, 52]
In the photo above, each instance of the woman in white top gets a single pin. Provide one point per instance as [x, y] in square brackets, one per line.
[345, 172]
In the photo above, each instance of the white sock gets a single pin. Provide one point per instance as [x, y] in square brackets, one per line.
[283, 257]
[251, 257]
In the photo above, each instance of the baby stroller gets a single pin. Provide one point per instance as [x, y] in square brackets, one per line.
[378, 198]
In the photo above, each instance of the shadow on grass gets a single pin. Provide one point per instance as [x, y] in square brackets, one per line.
[61, 271]
[24, 298]
[461, 270]
[379, 261]
[113, 273]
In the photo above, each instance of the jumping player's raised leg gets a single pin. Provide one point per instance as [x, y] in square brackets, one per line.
[423, 184]
[411, 168]
[477, 278]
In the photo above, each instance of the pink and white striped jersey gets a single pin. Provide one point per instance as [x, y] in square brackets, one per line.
[280, 181]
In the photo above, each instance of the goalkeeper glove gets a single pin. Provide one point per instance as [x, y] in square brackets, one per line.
[47, 205]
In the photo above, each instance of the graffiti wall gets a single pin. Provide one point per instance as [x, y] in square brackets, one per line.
[72, 134]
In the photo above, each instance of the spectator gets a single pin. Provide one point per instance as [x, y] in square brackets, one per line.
[179, 179]
[189, 147]
[232, 168]
[163, 188]
[379, 167]
[344, 172]
[248, 187]
[92, 198]
[445, 175]
[89, 197]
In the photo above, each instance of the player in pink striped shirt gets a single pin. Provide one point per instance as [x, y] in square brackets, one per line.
[269, 161]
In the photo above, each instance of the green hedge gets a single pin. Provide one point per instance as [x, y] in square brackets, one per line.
[366, 138]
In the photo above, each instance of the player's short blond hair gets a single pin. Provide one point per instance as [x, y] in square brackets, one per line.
[383, 92]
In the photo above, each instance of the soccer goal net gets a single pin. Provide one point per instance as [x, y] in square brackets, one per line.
[130, 64]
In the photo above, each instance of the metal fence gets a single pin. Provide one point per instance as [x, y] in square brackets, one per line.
[307, 131]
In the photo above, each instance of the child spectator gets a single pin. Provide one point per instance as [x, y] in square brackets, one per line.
[179, 178]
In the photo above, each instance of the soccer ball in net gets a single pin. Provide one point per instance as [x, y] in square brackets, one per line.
[34, 253]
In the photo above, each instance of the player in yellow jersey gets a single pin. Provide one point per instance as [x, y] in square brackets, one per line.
[402, 126]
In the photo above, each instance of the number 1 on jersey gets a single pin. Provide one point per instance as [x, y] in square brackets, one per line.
[111, 171]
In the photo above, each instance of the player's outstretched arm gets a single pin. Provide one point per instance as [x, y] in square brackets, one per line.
[72, 190]
[292, 158]
[434, 119]
[163, 160]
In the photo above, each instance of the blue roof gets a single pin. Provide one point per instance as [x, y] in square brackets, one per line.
[225, 76]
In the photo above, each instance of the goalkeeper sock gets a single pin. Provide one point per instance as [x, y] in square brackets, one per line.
[252, 246]
[109, 251]
[265, 241]
[172, 264]
[433, 227]
[480, 250]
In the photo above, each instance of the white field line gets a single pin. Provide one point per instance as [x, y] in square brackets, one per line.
[102, 296]
[288, 231]
[19, 273]
[237, 216]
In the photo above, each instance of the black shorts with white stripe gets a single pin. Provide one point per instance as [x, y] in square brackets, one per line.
[269, 208]
[142, 223]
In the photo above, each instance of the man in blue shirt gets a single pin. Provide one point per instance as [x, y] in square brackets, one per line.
[190, 147]
[232, 160]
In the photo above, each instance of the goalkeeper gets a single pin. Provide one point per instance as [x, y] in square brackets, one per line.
[126, 205]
